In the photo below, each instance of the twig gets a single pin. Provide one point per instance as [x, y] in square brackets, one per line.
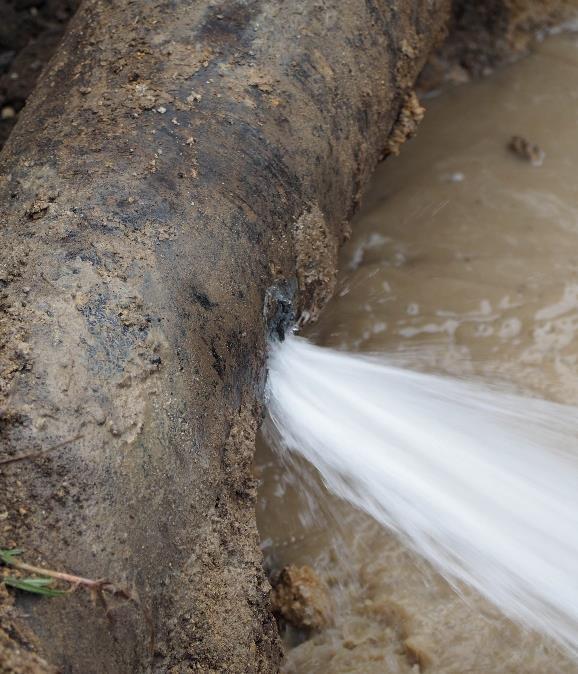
[97, 588]
[34, 455]
[94, 586]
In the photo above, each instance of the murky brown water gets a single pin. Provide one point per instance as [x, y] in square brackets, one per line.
[465, 261]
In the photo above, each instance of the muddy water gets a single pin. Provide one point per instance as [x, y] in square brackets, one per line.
[464, 261]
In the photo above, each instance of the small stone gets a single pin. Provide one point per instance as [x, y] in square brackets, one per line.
[38, 208]
[193, 97]
[524, 149]
[301, 598]
[8, 112]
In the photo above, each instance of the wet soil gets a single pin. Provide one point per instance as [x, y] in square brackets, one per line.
[30, 31]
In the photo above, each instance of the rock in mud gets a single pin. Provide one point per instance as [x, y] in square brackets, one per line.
[301, 598]
[524, 149]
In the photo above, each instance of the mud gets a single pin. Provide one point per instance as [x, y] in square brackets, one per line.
[463, 261]
[17, 651]
[29, 35]
[485, 35]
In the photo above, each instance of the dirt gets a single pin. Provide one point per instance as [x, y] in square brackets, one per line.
[301, 598]
[17, 647]
[406, 125]
[485, 35]
[30, 31]
[525, 149]
[316, 246]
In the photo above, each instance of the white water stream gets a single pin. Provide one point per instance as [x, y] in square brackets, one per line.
[482, 483]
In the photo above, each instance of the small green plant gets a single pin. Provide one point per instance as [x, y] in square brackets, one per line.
[7, 556]
[42, 580]
[97, 588]
[32, 584]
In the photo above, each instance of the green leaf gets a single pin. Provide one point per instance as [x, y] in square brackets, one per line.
[35, 585]
[40, 582]
[7, 556]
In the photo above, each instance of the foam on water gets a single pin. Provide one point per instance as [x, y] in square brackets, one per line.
[481, 482]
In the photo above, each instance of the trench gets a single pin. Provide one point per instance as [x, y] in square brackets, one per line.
[463, 261]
